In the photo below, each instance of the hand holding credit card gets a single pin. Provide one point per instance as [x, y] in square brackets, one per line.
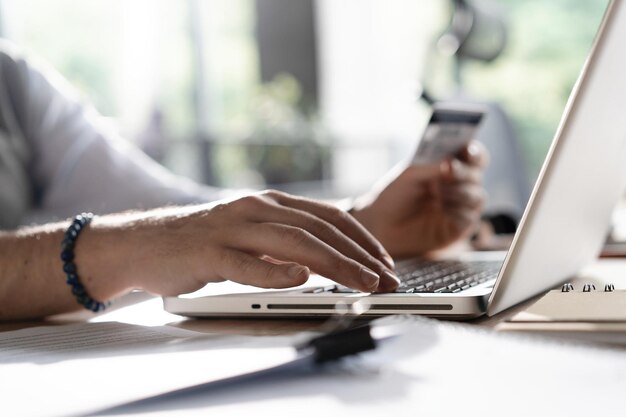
[450, 129]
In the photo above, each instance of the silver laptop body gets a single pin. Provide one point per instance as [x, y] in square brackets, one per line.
[562, 230]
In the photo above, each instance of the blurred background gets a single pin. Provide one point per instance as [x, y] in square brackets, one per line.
[318, 97]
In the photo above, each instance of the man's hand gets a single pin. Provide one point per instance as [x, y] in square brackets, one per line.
[269, 240]
[422, 208]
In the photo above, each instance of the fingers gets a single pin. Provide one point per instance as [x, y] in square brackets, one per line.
[344, 222]
[474, 154]
[450, 170]
[464, 220]
[325, 232]
[340, 232]
[466, 166]
[454, 170]
[470, 196]
[463, 204]
[293, 244]
[247, 269]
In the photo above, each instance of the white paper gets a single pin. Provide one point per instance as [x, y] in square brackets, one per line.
[56, 343]
[434, 369]
[79, 368]
[454, 370]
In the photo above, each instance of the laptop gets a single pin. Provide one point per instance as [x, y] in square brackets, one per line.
[562, 229]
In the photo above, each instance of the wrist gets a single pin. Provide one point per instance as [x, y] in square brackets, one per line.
[141, 250]
[72, 233]
[100, 256]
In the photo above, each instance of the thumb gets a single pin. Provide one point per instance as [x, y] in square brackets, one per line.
[425, 172]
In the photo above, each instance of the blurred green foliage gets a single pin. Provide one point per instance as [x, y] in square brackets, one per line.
[549, 41]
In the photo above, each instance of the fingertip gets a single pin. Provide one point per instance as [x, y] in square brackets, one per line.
[369, 279]
[476, 153]
[389, 282]
[447, 169]
[298, 273]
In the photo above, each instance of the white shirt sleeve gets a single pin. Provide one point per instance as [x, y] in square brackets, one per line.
[80, 165]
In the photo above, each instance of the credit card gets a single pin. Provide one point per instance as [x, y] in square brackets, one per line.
[448, 132]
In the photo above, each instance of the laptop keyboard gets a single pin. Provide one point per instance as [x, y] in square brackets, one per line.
[435, 277]
[445, 276]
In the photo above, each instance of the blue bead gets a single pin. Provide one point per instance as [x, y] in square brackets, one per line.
[78, 291]
[72, 279]
[71, 234]
[69, 268]
[67, 255]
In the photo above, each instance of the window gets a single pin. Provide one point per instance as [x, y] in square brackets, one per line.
[234, 94]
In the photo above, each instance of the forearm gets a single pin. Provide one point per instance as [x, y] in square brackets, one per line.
[113, 255]
[32, 281]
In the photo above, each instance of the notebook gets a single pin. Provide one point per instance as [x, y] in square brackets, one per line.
[587, 311]
[561, 231]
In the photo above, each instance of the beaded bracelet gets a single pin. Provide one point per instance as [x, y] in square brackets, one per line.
[69, 267]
